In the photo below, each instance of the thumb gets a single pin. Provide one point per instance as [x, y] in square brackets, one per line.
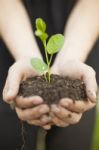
[91, 84]
[12, 84]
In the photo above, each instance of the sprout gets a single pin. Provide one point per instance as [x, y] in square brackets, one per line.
[51, 46]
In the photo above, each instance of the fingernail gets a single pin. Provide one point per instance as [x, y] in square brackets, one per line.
[66, 102]
[94, 96]
[42, 110]
[9, 95]
[45, 120]
[55, 109]
[47, 127]
[38, 99]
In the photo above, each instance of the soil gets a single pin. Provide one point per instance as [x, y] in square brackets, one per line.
[59, 87]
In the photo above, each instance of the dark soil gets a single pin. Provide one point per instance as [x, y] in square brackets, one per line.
[52, 92]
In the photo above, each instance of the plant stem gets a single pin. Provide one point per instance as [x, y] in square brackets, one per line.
[50, 59]
[47, 60]
[45, 77]
[46, 52]
[48, 72]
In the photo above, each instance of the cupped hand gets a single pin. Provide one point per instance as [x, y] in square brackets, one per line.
[78, 70]
[27, 109]
[19, 71]
[67, 109]
[63, 117]
[33, 110]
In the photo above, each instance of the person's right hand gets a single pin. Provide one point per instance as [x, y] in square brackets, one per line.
[28, 109]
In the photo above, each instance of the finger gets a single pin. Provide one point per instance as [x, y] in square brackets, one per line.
[91, 86]
[67, 116]
[78, 106]
[12, 84]
[58, 114]
[41, 122]
[45, 119]
[66, 102]
[47, 127]
[32, 113]
[34, 122]
[62, 113]
[60, 123]
[5, 90]
[73, 118]
[27, 102]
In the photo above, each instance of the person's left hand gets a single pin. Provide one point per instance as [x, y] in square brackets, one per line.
[67, 112]
[62, 116]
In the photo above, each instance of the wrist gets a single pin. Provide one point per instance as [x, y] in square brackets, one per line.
[63, 59]
[71, 51]
[28, 56]
[30, 53]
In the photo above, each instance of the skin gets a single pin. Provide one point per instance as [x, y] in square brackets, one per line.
[68, 111]
[74, 53]
[19, 38]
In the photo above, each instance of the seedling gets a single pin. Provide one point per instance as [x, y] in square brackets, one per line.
[51, 46]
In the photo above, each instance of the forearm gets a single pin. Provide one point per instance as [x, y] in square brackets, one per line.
[81, 31]
[16, 30]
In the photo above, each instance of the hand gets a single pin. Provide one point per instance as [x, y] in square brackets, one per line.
[31, 110]
[63, 117]
[78, 70]
[27, 109]
[19, 71]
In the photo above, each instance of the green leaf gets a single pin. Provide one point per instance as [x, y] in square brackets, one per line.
[43, 36]
[40, 24]
[55, 43]
[38, 33]
[39, 65]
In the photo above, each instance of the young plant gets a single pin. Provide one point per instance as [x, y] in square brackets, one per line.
[51, 46]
